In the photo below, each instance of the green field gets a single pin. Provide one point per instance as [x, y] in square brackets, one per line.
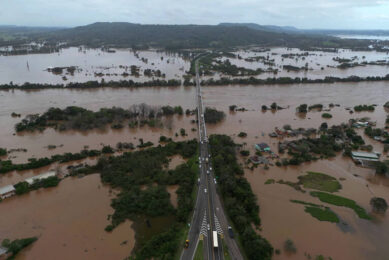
[320, 181]
[342, 202]
[318, 211]
[321, 214]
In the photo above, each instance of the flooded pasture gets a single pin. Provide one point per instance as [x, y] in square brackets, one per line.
[69, 221]
[65, 212]
[91, 64]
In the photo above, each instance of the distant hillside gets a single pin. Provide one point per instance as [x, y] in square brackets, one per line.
[349, 32]
[269, 28]
[190, 36]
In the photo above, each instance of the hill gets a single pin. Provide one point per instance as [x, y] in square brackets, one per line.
[191, 36]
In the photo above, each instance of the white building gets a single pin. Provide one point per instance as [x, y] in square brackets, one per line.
[40, 177]
[7, 191]
[366, 159]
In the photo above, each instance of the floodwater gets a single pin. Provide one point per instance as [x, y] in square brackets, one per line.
[320, 64]
[94, 64]
[281, 219]
[33, 67]
[69, 221]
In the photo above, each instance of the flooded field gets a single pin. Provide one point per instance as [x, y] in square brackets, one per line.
[281, 219]
[69, 221]
[319, 64]
[90, 63]
[95, 64]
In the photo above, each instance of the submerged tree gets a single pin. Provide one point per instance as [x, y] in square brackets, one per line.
[379, 205]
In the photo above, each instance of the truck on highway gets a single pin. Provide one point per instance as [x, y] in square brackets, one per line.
[215, 242]
[230, 232]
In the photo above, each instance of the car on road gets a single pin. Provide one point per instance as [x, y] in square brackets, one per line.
[210, 168]
[186, 243]
[214, 180]
[230, 232]
[208, 172]
[208, 227]
[205, 190]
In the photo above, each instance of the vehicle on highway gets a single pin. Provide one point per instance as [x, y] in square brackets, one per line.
[186, 243]
[208, 172]
[214, 180]
[206, 160]
[198, 181]
[230, 232]
[205, 190]
[210, 168]
[215, 242]
[208, 227]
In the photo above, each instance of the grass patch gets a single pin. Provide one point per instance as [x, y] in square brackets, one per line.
[318, 211]
[321, 214]
[270, 181]
[305, 203]
[199, 255]
[342, 202]
[295, 185]
[320, 181]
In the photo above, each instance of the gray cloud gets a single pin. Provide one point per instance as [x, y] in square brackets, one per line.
[351, 14]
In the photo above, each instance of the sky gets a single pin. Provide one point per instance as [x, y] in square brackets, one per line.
[304, 14]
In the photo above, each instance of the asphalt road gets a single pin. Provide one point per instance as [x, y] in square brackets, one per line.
[208, 215]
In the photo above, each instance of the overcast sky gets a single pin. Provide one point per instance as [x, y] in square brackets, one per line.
[332, 14]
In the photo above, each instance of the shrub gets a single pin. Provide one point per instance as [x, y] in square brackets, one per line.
[360, 108]
[232, 108]
[302, 108]
[242, 134]
[107, 149]
[326, 115]
[245, 153]
[3, 151]
[289, 246]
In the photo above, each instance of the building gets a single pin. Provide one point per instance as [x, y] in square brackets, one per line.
[3, 253]
[262, 147]
[259, 160]
[41, 177]
[366, 159]
[7, 191]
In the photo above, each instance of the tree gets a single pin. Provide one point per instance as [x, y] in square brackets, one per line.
[107, 149]
[302, 108]
[381, 168]
[289, 246]
[379, 205]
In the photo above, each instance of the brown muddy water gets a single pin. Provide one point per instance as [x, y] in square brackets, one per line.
[94, 64]
[69, 221]
[281, 219]
[33, 68]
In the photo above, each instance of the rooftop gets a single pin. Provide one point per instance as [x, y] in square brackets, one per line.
[3, 250]
[40, 177]
[364, 155]
[6, 189]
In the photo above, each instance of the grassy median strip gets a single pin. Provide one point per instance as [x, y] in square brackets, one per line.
[342, 202]
[225, 251]
[199, 255]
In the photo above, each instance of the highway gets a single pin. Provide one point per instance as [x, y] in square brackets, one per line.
[208, 215]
